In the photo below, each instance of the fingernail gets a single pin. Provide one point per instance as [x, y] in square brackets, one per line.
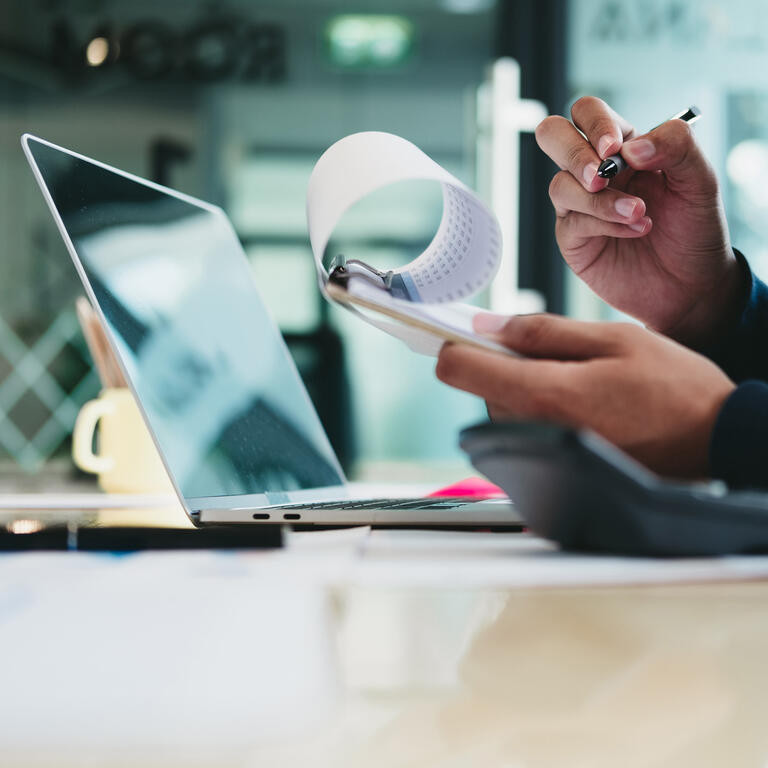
[639, 226]
[486, 322]
[639, 150]
[625, 207]
[590, 171]
[604, 145]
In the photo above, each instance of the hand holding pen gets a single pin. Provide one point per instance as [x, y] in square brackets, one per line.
[614, 165]
[654, 242]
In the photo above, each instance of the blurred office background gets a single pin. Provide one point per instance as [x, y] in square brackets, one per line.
[233, 102]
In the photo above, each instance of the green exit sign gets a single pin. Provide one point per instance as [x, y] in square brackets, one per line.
[366, 41]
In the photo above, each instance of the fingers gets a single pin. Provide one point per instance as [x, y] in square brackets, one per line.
[672, 148]
[551, 336]
[528, 388]
[578, 234]
[580, 154]
[576, 229]
[568, 195]
[570, 150]
[605, 129]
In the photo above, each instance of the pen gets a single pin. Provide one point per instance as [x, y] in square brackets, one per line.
[615, 164]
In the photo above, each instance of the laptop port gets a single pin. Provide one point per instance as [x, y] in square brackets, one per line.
[291, 516]
[261, 516]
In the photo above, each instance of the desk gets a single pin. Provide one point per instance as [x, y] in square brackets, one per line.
[309, 656]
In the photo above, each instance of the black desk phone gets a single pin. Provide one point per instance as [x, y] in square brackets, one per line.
[577, 489]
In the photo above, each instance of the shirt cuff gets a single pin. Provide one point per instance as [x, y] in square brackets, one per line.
[740, 352]
[738, 452]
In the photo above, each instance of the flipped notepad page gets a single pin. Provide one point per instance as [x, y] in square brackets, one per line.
[461, 260]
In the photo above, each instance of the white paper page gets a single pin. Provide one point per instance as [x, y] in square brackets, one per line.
[464, 254]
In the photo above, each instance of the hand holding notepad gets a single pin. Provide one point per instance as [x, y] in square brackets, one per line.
[425, 296]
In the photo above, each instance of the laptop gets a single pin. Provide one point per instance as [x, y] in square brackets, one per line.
[213, 378]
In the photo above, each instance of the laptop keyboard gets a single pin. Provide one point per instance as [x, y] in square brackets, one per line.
[437, 502]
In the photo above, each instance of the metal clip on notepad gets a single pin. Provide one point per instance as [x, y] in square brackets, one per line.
[342, 269]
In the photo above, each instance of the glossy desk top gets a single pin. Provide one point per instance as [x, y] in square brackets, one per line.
[306, 657]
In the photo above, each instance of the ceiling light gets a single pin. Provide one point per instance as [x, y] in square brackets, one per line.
[467, 6]
[97, 51]
[369, 41]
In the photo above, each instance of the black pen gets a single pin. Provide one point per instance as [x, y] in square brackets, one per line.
[615, 164]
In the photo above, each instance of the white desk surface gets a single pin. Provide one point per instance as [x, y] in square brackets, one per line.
[353, 648]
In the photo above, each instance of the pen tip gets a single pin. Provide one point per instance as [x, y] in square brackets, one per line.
[607, 169]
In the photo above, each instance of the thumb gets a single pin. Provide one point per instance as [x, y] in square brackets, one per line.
[671, 148]
[548, 336]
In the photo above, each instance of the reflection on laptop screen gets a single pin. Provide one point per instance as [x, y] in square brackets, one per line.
[208, 364]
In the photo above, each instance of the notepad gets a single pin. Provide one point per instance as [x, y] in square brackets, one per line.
[424, 302]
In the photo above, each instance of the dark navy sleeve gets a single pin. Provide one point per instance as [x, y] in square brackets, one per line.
[743, 351]
[738, 451]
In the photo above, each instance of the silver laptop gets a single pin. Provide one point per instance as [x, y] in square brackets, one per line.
[214, 380]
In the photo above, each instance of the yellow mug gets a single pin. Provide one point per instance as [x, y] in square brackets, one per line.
[127, 460]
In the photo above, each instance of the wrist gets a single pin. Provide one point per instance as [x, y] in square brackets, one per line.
[715, 313]
[733, 296]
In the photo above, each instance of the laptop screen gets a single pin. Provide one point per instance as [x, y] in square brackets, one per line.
[213, 375]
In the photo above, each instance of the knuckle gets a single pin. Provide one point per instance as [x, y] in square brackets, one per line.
[445, 367]
[527, 334]
[556, 186]
[542, 128]
[575, 156]
[600, 126]
[543, 403]
[626, 332]
[677, 136]
[681, 147]
[587, 105]
[596, 204]
[532, 330]
[566, 230]
[562, 236]
[547, 127]
[680, 131]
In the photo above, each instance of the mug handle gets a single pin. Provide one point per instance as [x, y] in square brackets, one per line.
[82, 437]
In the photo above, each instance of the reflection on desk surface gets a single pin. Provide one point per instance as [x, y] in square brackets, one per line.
[38, 510]
[313, 656]
[672, 676]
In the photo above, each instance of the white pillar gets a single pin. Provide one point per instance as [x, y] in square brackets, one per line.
[502, 117]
